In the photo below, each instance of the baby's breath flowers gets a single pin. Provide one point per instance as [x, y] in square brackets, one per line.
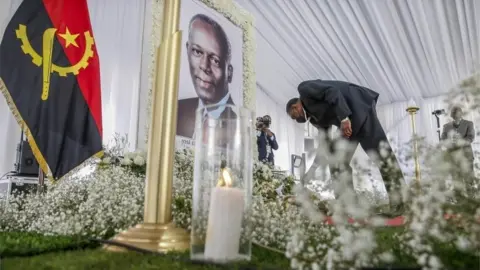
[108, 197]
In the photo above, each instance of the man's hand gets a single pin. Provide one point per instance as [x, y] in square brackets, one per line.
[346, 127]
[268, 132]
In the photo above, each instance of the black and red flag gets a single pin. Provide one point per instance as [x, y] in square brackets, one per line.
[50, 77]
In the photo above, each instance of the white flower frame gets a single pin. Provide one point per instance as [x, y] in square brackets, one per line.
[239, 17]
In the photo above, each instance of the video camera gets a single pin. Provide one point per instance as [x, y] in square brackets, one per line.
[263, 122]
[438, 112]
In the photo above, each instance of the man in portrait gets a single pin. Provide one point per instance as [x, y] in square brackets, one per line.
[209, 55]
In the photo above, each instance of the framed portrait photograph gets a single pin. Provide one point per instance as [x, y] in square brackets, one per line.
[211, 69]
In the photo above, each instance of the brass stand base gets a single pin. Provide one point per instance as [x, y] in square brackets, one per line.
[153, 237]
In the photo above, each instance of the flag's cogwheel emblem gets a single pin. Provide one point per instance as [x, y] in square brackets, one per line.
[21, 34]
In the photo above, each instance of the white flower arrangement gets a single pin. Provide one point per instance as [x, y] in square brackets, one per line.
[156, 36]
[110, 200]
[99, 204]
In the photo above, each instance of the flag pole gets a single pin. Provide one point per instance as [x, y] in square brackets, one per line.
[41, 181]
[157, 232]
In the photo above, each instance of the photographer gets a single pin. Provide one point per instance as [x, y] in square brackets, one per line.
[266, 141]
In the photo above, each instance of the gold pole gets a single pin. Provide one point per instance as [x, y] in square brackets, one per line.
[157, 232]
[412, 110]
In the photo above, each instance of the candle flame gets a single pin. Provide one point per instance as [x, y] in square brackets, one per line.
[226, 178]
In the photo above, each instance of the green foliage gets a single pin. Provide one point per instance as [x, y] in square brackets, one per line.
[63, 252]
[59, 252]
[28, 244]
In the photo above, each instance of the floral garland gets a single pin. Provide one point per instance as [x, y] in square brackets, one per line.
[238, 16]
[157, 22]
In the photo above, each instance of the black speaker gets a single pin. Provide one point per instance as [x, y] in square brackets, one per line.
[23, 188]
[26, 162]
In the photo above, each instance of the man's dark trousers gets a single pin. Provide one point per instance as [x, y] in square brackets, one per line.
[372, 138]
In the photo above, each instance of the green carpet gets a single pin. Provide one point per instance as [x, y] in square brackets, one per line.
[27, 251]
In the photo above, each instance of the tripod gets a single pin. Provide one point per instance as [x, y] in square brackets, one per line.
[438, 127]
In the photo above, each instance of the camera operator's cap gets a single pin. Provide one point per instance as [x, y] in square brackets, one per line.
[290, 103]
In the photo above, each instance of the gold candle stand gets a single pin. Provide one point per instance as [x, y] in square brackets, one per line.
[412, 110]
[157, 232]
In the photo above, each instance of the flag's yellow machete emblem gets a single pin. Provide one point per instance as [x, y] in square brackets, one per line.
[45, 59]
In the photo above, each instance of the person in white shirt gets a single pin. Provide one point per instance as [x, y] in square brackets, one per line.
[461, 133]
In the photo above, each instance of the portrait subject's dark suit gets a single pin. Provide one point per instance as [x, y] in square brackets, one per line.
[186, 115]
[466, 131]
[327, 103]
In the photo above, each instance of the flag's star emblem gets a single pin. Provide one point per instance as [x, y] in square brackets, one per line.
[69, 38]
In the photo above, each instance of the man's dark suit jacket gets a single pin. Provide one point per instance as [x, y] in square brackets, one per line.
[329, 102]
[186, 115]
[262, 146]
[466, 131]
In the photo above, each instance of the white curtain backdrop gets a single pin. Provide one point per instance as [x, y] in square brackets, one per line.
[398, 126]
[401, 49]
[10, 132]
[289, 134]
[118, 30]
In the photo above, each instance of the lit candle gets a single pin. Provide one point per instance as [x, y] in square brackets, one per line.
[224, 219]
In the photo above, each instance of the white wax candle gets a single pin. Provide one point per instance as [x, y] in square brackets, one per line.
[224, 224]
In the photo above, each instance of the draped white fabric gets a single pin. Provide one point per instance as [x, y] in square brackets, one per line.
[10, 132]
[398, 126]
[402, 49]
[118, 31]
[397, 123]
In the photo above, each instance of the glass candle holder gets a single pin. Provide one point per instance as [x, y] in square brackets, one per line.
[222, 187]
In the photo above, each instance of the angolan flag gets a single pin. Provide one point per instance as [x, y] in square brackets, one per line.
[50, 77]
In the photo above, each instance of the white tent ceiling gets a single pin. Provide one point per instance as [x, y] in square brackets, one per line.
[400, 48]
